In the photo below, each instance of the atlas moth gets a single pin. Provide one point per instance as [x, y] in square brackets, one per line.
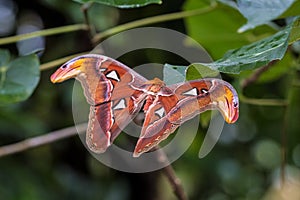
[117, 93]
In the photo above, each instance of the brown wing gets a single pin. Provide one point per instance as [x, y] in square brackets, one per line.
[170, 110]
[112, 90]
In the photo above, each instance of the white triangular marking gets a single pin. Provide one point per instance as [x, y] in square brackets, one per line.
[120, 105]
[113, 75]
[192, 92]
[160, 112]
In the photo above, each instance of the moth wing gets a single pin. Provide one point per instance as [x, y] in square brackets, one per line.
[116, 97]
[175, 105]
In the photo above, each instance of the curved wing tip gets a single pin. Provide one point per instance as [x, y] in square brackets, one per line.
[96, 150]
[136, 155]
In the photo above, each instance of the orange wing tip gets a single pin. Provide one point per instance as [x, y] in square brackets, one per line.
[232, 112]
[68, 70]
[61, 75]
[229, 105]
[54, 78]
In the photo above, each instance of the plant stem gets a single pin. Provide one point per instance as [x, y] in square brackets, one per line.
[84, 8]
[42, 140]
[152, 20]
[46, 32]
[58, 62]
[263, 102]
[174, 182]
[3, 71]
[283, 146]
[169, 172]
[142, 22]
[54, 136]
[256, 74]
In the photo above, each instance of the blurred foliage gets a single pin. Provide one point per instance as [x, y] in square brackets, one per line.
[256, 54]
[260, 12]
[245, 163]
[14, 85]
[122, 4]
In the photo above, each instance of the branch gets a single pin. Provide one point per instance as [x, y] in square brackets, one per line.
[174, 182]
[84, 9]
[99, 36]
[284, 145]
[46, 32]
[256, 74]
[263, 102]
[71, 131]
[58, 62]
[42, 140]
[152, 20]
[169, 172]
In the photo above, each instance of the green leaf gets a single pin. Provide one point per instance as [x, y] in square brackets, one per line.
[123, 3]
[216, 30]
[278, 70]
[260, 12]
[295, 32]
[177, 74]
[18, 78]
[174, 74]
[256, 54]
[292, 11]
[196, 71]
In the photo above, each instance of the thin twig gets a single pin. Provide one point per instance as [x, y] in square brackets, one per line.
[256, 74]
[152, 20]
[84, 8]
[42, 140]
[283, 146]
[263, 102]
[175, 182]
[46, 32]
[284, 137]
[58, 62]
[71, 131]
[169, 172]
[100, 36]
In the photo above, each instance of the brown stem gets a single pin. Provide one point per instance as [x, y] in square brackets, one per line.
[174, 182]
[169, 172]
[283, 145]
[42, 140]
[256, 74]
[84, 8]
[54, 136]
[91, 29]
[59, 61]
